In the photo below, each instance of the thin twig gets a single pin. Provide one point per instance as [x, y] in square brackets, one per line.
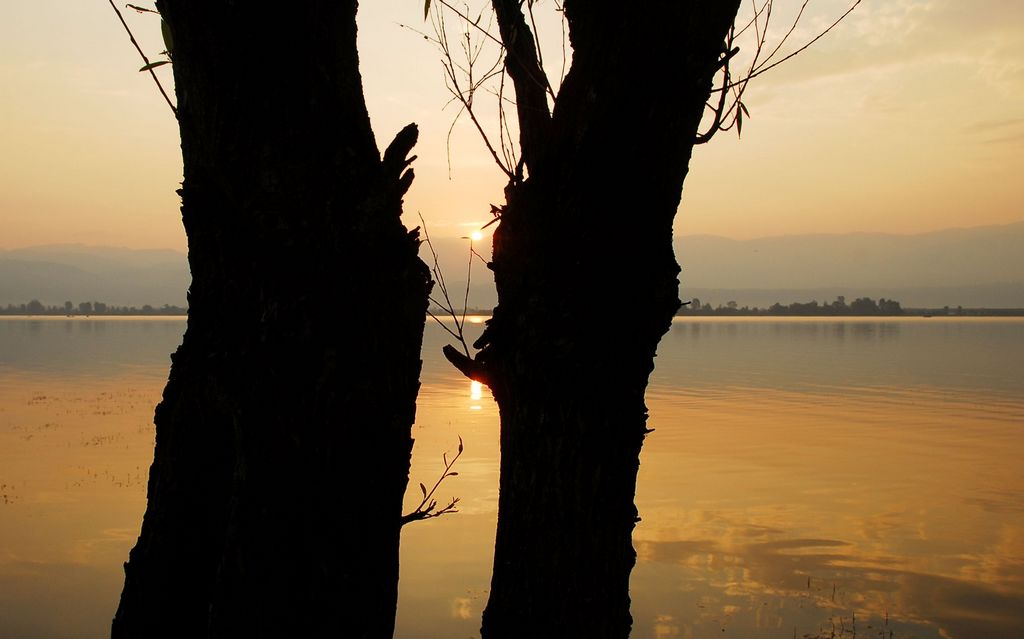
[763, 69]
[447, 306]
[757, 26]
[427, 508]
[469, 279]
[438, 275]
[792, 28]
[464, 96]
[540, 52]
[812, 41]
[145, 59]
[728, 113]
[473, 252]
[716, 125]
[440, 323]
[757, 16]
[560, 9]
[470, 22]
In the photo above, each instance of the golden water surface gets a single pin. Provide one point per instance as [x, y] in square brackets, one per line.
[808, 478]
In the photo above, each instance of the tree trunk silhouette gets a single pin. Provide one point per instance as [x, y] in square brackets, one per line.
[587, 285]
[283, 438]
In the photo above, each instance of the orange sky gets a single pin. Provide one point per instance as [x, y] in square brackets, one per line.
[908, 118]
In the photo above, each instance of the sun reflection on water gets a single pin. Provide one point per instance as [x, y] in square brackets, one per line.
[476, 393]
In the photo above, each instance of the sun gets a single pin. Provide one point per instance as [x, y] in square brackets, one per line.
[476, 236]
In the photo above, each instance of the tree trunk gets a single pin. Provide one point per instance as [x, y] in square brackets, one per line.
[283, 437]
[587, 285]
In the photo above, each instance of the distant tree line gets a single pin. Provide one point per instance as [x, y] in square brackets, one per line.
[839, 307]
[35, 307]
[966, 312]
[859, 306]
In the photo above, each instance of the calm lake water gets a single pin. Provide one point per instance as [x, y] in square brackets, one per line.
[807, 478]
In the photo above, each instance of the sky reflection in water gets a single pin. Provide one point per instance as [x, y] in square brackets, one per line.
[805, 478]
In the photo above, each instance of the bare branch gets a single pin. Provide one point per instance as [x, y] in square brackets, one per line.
[821, 35]
[719, 111]
[469, 279]
[757, 16]
[471, 22]
[148, 66]
[439, 322]
[730, 111]
[464, 94]
[792, 28]
[565, 38]
[528, 78]
[540, 51]
[447, 306]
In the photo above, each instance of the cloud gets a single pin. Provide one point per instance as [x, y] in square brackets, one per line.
[987, 34]
[996, 131]
[1006, 139]
[988, 126]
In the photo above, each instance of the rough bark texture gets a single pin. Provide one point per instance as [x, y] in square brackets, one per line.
[587, 285]
[283, 437]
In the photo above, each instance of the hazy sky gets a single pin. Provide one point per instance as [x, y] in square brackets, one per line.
[908, 118]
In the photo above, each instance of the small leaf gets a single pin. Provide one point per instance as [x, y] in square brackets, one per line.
[743, 108]
[153, 65]
[460, 443]
[141, 9]
[165, 31]
[426, 9]
[453, 474]
[423, 489]
[739, 123]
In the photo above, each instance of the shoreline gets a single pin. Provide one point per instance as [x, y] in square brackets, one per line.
[479, 315]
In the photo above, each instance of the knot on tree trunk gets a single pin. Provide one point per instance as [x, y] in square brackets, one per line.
[471, 368]
[396, 160]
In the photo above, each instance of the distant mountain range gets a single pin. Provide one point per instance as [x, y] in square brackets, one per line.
[975, 267]
[119, 276]
[971, 267]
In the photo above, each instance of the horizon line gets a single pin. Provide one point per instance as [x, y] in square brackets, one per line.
[815, 234]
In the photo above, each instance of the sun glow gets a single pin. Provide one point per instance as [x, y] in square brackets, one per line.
[476, 236]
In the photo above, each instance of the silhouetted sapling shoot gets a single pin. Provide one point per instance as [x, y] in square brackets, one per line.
[427, 508]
